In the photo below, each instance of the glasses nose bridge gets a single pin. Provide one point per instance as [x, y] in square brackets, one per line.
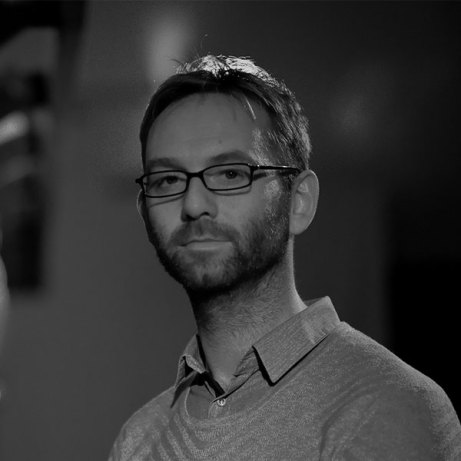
[197, 174]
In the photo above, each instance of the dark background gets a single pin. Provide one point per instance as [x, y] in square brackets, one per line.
[95, 326]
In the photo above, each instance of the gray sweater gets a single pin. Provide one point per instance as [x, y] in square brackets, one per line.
[312, 389]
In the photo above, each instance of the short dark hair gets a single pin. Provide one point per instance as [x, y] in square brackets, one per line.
[238, 77]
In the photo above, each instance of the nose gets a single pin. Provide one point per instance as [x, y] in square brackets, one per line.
[198, 201]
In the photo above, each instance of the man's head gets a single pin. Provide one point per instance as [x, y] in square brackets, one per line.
[241, 79]
[231, 114]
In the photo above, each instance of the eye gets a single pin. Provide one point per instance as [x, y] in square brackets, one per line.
[164, 180]
[167, 180]
[231, 174]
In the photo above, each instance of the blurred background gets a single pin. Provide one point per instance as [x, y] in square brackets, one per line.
[95, 326]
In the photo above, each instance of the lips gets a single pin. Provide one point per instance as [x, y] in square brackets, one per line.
[204, 239]
[205, 244]
[202, 233]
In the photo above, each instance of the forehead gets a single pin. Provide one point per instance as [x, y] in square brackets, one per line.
[203, 127]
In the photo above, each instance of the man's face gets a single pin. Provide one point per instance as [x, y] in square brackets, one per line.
[212, 241]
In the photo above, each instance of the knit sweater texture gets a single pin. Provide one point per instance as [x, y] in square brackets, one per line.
[312, 389]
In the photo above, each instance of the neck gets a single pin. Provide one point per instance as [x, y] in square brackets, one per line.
[230, 322]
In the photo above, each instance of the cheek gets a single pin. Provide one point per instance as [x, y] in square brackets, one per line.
[272, 194]
[273, 190]
[160, 223]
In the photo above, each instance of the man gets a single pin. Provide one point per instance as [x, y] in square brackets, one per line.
[267, 377]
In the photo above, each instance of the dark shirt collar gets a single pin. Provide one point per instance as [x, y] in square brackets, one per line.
[279, 350]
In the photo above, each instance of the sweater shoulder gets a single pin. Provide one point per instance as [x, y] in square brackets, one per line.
[145, 424]
[386, 404]
[365, 357]
[369, 368]
[153, 413]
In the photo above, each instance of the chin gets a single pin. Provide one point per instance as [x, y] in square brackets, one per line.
[220, 276]
[204, 275]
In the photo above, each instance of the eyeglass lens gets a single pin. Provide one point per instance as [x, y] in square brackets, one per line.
[219, 177]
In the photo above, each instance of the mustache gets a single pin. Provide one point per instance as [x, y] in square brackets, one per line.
[196, 229]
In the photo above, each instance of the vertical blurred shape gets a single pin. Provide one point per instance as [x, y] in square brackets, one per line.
[4, 302]
[28, 48]
[22, 204]
[168, 41]
[4, 306]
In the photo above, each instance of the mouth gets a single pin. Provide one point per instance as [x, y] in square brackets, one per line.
[205, 243]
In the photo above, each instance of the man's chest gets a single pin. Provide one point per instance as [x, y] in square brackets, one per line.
[285, 424]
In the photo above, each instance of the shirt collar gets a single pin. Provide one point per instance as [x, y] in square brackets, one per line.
[287, 344]
[280, 349]
[190, 360]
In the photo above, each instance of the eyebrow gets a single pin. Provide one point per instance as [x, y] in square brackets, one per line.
[165, 162]
[224, 157]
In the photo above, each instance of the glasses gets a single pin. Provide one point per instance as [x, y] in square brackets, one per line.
[219, 178]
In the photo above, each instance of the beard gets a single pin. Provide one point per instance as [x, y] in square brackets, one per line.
[251, 253]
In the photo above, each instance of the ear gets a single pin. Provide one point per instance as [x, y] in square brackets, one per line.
[141, 204]
[304, 198]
